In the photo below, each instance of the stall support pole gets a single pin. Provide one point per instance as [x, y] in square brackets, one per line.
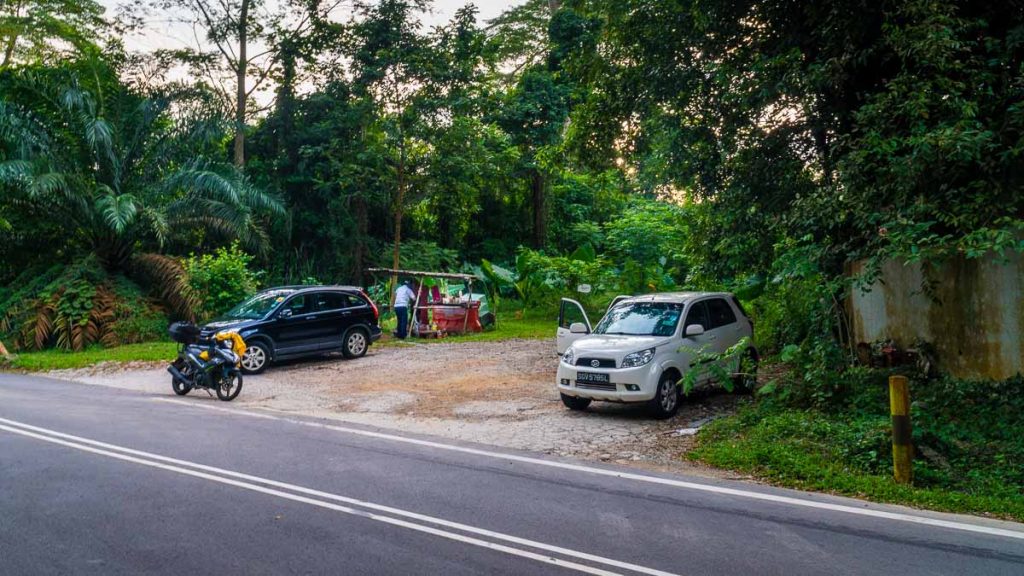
[416, 308]
[469, 306]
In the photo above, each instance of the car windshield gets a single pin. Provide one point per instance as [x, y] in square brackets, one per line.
[641, 319]
[258, 306]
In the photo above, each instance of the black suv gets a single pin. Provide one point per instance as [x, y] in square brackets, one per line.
[296, 321]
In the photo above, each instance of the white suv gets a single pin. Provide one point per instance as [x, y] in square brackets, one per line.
[641, 349]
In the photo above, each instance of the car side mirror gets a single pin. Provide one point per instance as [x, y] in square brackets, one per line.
[578, 328]
[286, 313]
[694, 330]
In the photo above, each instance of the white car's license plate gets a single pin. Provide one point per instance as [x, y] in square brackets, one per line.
[592, 377]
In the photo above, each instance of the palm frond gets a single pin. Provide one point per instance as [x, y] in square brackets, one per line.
[118, 211]
[167, 277]
[100, 136]
[15, 171]
[48, 184]
[199, 181]
[158, 224]
[43, 325]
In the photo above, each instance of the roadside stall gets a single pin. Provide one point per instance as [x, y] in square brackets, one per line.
[445, 303]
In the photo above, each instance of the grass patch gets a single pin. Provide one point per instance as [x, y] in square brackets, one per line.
[511, 325]
[61, 360]
[849, 454]
[529, 324]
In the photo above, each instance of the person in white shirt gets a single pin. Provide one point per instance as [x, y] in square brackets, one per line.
[404, 296]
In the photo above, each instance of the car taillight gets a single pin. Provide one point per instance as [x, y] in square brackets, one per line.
[376, 313]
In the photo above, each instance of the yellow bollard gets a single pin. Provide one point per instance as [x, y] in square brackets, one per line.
[902, 447]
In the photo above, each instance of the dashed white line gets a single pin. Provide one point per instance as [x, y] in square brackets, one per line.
[789, 500]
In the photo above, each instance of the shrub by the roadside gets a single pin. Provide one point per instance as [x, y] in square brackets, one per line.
[75, 307]
[222, 279]
[967, 434]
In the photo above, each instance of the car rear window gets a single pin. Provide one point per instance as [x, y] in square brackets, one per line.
[337, 301]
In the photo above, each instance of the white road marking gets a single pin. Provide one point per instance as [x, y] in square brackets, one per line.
[897, 516]
[218, 475]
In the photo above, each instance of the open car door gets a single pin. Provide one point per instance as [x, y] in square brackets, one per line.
[616, 300]
[570, 315]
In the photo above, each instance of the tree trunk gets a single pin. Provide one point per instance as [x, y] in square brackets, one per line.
[540, 231]
[9, 51]
[399, 213]
[12, 41]
[242, 69]
[362, 223]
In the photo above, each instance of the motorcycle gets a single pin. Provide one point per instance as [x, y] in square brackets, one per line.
[210, 364]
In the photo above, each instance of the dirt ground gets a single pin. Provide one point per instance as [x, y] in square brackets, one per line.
[499, 393]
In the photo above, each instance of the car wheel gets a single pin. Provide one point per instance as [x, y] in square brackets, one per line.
[256, 358]
[355, 344]
[575, 402]
[745, 379]
[666, 398]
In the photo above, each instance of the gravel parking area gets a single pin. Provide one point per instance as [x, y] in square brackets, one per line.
[498, 393]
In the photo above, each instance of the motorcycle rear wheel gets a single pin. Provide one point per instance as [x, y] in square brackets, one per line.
[180, 388]
[229, 387]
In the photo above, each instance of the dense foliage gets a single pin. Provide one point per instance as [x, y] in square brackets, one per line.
[629, 145]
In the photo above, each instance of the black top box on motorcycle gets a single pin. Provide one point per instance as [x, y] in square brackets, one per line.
[184, 332]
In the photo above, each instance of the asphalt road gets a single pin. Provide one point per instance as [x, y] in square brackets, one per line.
[101, 481]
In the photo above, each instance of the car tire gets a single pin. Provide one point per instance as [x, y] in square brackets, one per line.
[667, 398]
[575, 402]
[355, 343]
[745, 380]
[256, 358]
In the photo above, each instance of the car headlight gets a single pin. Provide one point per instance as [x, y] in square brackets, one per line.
[638, 358]
[569, 357]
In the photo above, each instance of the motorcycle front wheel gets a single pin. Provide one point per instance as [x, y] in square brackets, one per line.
[229, 386]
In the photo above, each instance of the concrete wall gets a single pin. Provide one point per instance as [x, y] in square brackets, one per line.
[974, 322]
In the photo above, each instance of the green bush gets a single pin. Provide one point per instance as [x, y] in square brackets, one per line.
[849, 455]
[221, 280]
[967, 438]
[648, 240]
[137, 319]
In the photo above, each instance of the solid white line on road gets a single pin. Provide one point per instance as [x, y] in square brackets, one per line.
[897, 516]
[218, 475]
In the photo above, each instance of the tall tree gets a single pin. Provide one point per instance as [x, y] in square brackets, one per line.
[242, 45]
[536, 111]
[32, 30]
[390, 63]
